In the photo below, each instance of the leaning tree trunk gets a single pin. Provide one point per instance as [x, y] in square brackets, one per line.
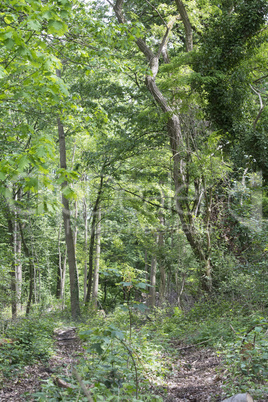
[178, 144]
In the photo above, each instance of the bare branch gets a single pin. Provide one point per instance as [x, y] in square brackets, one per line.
[261, 106]
[165, 38]
[260, 79]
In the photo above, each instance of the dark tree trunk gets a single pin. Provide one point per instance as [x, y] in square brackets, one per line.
[31, 270]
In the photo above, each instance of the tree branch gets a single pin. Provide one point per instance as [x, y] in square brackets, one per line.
[261, 106]
[187, 25]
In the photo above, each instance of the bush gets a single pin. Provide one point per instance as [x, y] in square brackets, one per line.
[30, 339]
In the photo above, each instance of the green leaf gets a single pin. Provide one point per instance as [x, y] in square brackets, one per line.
[55, 26]
[126, 283]
[85, 334]
[23, 161]
[2, 176]
[141, 285]
[97, 347]
[68, 193]
[3, 72]
[9, 43]
[34, 25]
[140, 306]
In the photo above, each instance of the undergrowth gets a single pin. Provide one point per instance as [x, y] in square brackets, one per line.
[127, 354]
[23, 342]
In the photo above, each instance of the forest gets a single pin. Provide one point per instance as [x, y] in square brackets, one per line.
[133, 200]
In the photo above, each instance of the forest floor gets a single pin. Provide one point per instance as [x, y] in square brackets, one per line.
[67, 352]
[194, 376]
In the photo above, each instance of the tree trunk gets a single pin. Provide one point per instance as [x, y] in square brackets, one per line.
[92, 242]
[13, 269]
[97, 261]
[69, 239]
[152, 290]
[74, 289]
[178, 144]
[17, 253]
[61, 268]
[85, 243]
[31, 270]
[63, 276]
[162, 285]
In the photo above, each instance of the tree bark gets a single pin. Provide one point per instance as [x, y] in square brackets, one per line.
[31, 270]
[97, 261]
[187, 25]
[13, 269]
[152, 290]
[85, 243]
[17, 253]
[92, 242]
[69, 238]
[162, 286]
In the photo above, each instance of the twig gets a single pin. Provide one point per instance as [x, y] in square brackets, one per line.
[134, 363]
[192, 346]
[232, 328]
[82, 385]
[154, 8]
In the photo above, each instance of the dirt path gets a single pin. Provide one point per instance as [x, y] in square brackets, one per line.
[194, 376]
[67, 351]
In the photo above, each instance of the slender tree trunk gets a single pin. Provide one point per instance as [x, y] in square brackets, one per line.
[97, 261]
[92, 242]
[17, 254]
[152, 290]
[63, 275]
[31, 270]
[74, 289]
[75, 211]
[162, 287]
[151, 299]
[85, 243]
[13, 269]
[35, 276]
[18, 266]
[69, 238]
[146, 265]
[59, 270]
